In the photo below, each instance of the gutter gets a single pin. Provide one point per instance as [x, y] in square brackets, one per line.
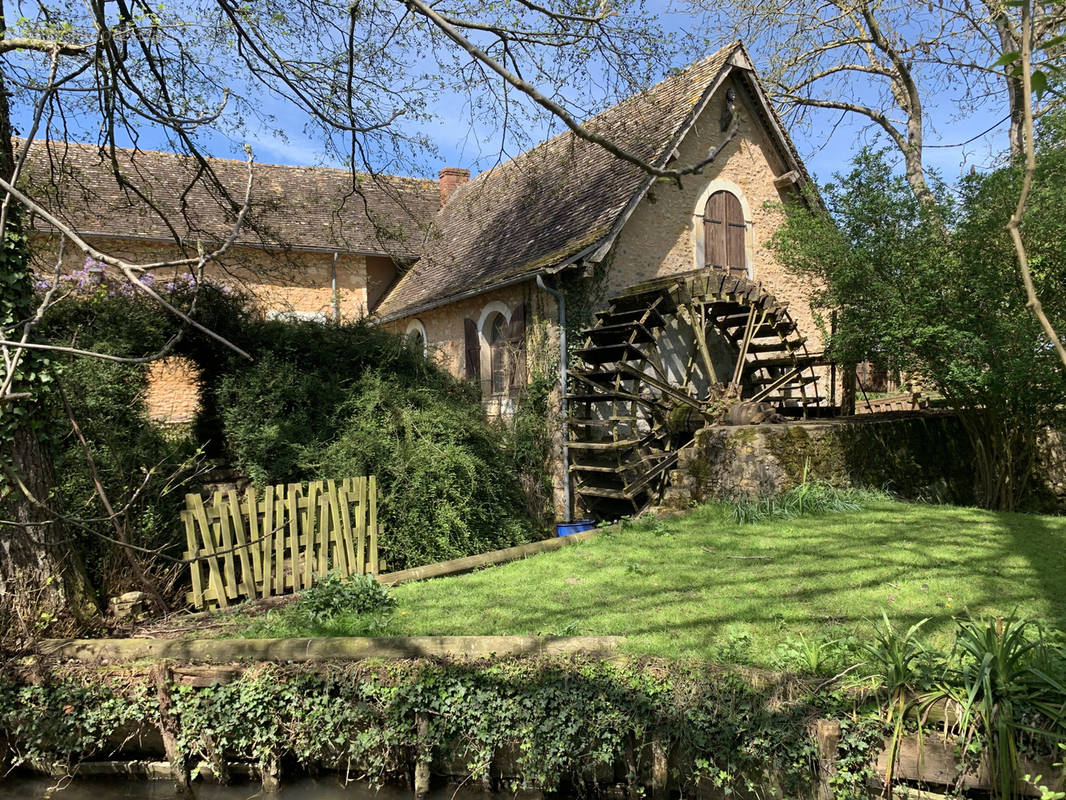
[563, 410]
[336, 297]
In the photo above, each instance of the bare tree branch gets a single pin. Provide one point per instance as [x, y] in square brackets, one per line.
[1014, 225]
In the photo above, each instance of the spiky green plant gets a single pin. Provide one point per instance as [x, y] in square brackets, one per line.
[897, 659]
[1007, 682]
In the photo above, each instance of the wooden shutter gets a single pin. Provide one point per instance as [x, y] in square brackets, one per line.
[473, 349]
[714, 231]
[516, 339]
[724, 232]
[735, 233]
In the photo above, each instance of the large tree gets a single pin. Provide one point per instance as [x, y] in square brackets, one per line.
[886, 63]
[931, 288]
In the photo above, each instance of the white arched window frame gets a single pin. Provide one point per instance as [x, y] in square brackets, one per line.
[491, 378]
[698, 244]
[415, 328]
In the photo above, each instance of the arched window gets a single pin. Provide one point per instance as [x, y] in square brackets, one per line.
[496, 335]
[724, 232]
[416, 337]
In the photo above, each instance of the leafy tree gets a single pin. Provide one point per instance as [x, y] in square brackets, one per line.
[888, 63]
[945, 303]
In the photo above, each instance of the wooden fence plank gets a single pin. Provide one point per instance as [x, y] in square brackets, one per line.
[268, 540]
[372, 525]
[360, 526]
[196, 597]
[346, 534]
[323, 533]
[254, 538]
[278, 497]
[295, 568]
[313, 489]
[213, 571]
[247, 582]
[340, 560]
[225, 540]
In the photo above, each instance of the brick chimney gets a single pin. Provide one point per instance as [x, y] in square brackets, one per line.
[451, 178]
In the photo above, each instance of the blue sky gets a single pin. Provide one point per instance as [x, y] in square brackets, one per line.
[826, 146]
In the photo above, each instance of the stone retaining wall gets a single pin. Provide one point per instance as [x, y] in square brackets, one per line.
[923, 455]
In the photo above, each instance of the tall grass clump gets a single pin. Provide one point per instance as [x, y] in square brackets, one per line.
[806, 499]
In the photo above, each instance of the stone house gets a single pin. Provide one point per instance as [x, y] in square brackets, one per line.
[481, 270]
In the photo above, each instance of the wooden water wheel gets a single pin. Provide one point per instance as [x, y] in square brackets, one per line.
[664, 359]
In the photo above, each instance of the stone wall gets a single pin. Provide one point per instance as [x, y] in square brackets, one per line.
[1051, 471]
[278, 280]
[916, 456]
[665, 234]
[173, 391]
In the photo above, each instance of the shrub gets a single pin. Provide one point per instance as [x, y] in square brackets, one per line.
[338, 401]
[334, 595]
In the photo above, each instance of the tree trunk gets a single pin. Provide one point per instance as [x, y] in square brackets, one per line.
[1008, 44]
[43, 585]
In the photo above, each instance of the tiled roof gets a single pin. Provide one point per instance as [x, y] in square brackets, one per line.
[550, 202]
[299, 207]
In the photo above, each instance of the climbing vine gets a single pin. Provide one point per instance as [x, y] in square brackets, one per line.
[551, 724]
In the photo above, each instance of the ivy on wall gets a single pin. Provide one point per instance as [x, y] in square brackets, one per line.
[548, 724]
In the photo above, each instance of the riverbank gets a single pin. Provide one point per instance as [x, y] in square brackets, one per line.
[576, 725]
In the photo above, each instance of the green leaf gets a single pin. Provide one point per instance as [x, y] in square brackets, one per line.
[1039, 83]
[1007, 58]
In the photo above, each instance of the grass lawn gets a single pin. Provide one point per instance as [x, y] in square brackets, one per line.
[701, 586]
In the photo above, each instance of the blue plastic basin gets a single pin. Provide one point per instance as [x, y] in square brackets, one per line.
[578, 525]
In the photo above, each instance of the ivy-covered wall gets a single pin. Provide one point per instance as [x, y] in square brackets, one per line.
[569, 725]
[916, 456]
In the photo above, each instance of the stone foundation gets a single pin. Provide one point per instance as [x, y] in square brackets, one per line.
[917, 456]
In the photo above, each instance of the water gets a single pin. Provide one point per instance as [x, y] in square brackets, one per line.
[25, 788]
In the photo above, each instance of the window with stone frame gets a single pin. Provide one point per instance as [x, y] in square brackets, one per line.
[725, 233]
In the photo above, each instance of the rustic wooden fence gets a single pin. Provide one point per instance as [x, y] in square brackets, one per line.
[279, 539]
